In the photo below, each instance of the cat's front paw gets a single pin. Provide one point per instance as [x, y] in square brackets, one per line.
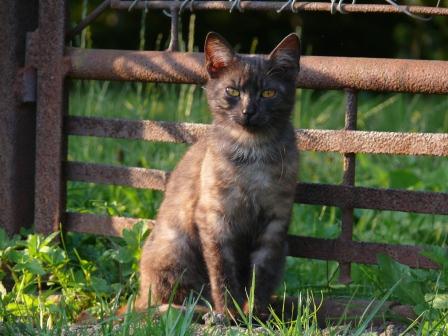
[261, 312]
[213, 318]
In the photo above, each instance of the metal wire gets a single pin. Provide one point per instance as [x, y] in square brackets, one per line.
[405, 11]
[333, 6]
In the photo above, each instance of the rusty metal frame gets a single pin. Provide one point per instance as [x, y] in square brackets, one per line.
[340, 141]
[17, 119]
[317, 72]
[351, 74]
[306, 6]
[342, 196]
[50, 64]
[45, 53]
[301, 247]
[348, 180]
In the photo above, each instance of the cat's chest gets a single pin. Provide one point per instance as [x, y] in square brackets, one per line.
[246, 186]
[255, 179]
[247, 196]
[252, 189]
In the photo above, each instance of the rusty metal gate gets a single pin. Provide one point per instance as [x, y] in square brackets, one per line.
[49, 63]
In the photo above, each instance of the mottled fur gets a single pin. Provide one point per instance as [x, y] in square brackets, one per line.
[228, 203]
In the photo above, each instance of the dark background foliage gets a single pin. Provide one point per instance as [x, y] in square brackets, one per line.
[362, 35]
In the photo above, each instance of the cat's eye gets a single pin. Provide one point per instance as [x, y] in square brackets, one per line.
[233, 92]
[268, 93]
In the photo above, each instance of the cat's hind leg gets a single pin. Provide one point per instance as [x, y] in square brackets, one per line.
[169, 271]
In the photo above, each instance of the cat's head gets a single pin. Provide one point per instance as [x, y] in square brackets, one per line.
[253, 93]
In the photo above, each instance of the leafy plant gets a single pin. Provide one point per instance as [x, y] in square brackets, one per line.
[44, 282]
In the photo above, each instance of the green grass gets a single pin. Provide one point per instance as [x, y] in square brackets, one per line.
[52, 283]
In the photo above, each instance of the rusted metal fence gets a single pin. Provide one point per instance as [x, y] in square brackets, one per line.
[53, 64]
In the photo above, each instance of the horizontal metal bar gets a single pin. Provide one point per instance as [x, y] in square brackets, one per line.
[358, 252]
[342, 141]
[304, 6]
[306, 193]
[317, 72]
[372, 198]
[135, 129]
[395, 143]
[101, 224]
[125, 176]
[302, 247]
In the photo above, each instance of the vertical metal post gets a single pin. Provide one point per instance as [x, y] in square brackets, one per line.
[48, 51]
[174, 32]
[17, 120]
[348, 179]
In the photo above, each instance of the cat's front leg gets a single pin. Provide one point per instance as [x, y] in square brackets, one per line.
[267, 263]
[221, 266]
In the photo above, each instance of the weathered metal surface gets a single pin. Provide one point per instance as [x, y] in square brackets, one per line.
[151, 66]
[358, 252]
[136, 129]
[395, 143]
[88, 19]
[317, 72]
[372, 198]
[17, 121]
[302, 247]
[348, 179]
[350, 125]
[345, 310]
[107, 174]
[47, 56]
[342, 141]
[276, 5]
[306, 193]
[101, 224]
[26, 84]
[339, 311]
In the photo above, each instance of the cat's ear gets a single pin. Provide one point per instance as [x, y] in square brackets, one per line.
[287, 53]
[218, 54]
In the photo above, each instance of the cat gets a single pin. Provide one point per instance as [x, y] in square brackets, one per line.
[228, 203]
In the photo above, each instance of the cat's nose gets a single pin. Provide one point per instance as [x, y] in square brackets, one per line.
[248, 111]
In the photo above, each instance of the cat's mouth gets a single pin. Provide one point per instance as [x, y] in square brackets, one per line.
[250, 122]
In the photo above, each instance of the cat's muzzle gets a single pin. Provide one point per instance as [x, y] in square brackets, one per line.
[249, 118]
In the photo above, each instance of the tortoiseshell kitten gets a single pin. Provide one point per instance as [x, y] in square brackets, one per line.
[228, 203]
